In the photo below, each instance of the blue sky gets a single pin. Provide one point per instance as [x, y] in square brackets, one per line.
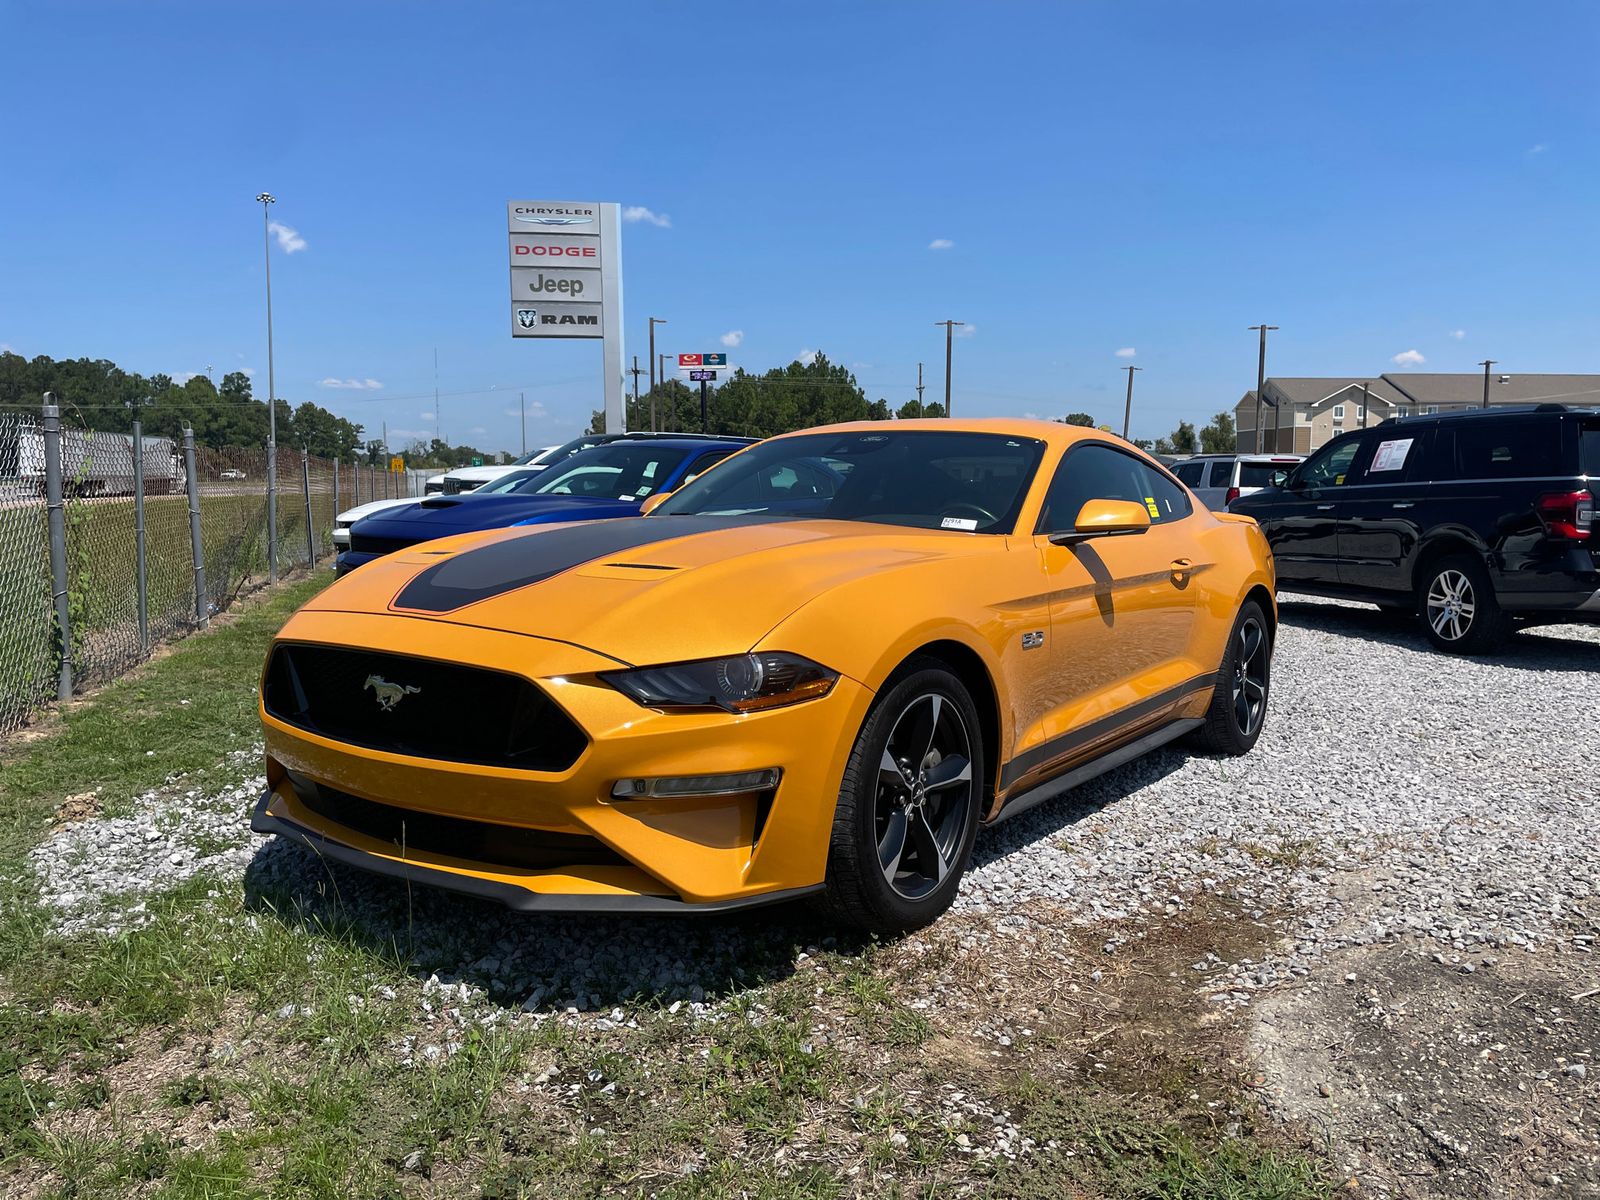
[1375, 178]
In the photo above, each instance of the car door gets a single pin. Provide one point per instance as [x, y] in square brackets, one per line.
[1381, 508]
[1122, 609]
[1302, 522]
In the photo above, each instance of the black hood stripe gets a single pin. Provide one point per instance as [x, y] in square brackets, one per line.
[500, 567]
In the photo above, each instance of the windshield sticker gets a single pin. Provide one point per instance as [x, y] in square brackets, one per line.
[966, 523]
[1150, 503]
[1391, 456]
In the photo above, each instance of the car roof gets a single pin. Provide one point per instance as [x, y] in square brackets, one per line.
[1052, 432]
[1480, 414]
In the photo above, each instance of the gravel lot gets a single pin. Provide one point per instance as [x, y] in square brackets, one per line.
[1398, 798]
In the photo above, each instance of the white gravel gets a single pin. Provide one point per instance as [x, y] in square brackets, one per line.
[1459, 791]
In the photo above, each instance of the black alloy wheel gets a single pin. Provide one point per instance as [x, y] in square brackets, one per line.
[1238, 709]
[909, 803]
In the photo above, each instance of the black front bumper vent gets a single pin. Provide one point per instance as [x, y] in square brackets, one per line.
[420, 708]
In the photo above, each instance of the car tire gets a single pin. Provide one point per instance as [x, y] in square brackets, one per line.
[1457, 606]
[1238, 709]
[904, 825]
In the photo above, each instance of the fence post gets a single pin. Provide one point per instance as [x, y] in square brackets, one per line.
[336, 489]
[202, 602]
[58, 541]
[140, 578]
[305, 488]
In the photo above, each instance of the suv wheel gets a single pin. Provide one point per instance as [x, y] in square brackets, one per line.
[1457, 605]
[909, 805]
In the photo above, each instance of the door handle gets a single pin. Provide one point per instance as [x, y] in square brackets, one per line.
[1324, 508]
[1405, 504]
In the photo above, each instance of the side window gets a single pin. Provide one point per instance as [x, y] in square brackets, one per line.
[1100, 472]
[1221, 474]
[704, 463]
[1190, 472]
[1508, 449]
[1330, 466]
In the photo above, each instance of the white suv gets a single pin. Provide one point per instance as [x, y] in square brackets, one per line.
[1220, 479]
[470, 479]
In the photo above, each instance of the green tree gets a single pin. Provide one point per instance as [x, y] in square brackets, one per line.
[1183, 439]
[1077, 418]
[1219, 437]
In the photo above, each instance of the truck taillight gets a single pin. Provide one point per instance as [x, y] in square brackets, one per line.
[1568, 514]
[1233, 494]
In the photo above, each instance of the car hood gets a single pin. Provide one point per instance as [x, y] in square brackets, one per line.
[483, 474]
[441, 516]
[639, 589]
[362, 511]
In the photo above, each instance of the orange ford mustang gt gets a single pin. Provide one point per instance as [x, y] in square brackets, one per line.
[815, 669]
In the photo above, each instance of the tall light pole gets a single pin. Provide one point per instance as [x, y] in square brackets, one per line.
[522, 404]
[1127, 411]
[662, 358]
[919, 389]
[1366, 406]
[949, 336]
[1486, 364]
[267, 200]
[1261, 382]
[654, 321]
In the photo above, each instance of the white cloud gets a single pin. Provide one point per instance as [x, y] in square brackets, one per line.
[733, 337]
[427, 416]
[477, 429]
[638, 212]
[354, 385]
[1538, 148]
[806, 357]
[249, 372]
[289, 240]
[1458, 334]
[1126, 352]
[1409, 358]
[940, 244]
[966, 330]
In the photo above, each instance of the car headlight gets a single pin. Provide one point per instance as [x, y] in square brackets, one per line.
[738, 684]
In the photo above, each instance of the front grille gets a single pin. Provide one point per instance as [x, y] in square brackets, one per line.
[367, 544]
[452, 487]
[479, 841]
[420, 708]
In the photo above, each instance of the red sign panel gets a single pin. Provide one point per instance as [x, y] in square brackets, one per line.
[688, 360]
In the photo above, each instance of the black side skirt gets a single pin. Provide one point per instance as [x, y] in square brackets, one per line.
[513, 897]
[1099, 766]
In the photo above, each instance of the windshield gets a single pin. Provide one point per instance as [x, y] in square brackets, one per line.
[615, 471]
[927, 479]
[506, 483]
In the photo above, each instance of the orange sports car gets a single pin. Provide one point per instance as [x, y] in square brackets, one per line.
[816, 669]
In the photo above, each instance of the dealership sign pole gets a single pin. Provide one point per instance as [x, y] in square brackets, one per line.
[697, 366]
[566, 281]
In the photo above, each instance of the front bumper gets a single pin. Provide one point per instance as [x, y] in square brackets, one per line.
[653, 855]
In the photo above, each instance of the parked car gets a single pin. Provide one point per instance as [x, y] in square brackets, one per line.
[779, 683]
[443, 484]
[1472, 520]
[231, 473]
[469, 479]
[609, 480]
[343, 521]
[1220, 479]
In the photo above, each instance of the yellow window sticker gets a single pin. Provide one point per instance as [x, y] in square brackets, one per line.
[1338, 479]
[1150, 503]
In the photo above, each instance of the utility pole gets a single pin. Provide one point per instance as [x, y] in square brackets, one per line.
[267, 200]
[654, 321]
[1261, 382]
[1127, 410]
[949, 336]
[1486, 364]
[1366, 404]
[662, 358]
[636, 372]
[522, 402]
[919, 390]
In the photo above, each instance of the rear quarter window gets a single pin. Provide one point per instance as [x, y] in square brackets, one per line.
[1221, 474]
[1519, 449]
[1259, 475]
[1589, 449]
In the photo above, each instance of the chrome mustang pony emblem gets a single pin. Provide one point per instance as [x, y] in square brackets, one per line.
[388, 694]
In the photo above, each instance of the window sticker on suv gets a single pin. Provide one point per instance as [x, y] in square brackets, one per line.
[1391, 456]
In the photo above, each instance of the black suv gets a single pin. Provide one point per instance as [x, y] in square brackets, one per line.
[1472, 520]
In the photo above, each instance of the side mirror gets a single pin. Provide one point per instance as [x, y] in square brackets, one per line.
[651, 503]
[1105, 518]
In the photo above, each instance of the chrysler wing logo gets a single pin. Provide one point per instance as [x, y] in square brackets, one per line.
[527, 316]
[556, 220]
[388, 694]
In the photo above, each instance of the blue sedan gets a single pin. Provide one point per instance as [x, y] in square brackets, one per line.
[610, 480]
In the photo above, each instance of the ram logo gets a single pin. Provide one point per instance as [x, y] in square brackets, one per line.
[526, 317]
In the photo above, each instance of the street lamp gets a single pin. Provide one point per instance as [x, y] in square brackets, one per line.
[949, 336]
[654, 321]
[267, 200]
[1261, 386]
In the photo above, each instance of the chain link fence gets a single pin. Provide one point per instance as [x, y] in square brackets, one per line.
[149, 546]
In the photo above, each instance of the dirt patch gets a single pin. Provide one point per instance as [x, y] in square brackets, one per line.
[1434, 1075]
[85, 806]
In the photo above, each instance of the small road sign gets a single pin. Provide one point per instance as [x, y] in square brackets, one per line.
[702, 376]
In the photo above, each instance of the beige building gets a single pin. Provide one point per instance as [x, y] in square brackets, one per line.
[1311, 411]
